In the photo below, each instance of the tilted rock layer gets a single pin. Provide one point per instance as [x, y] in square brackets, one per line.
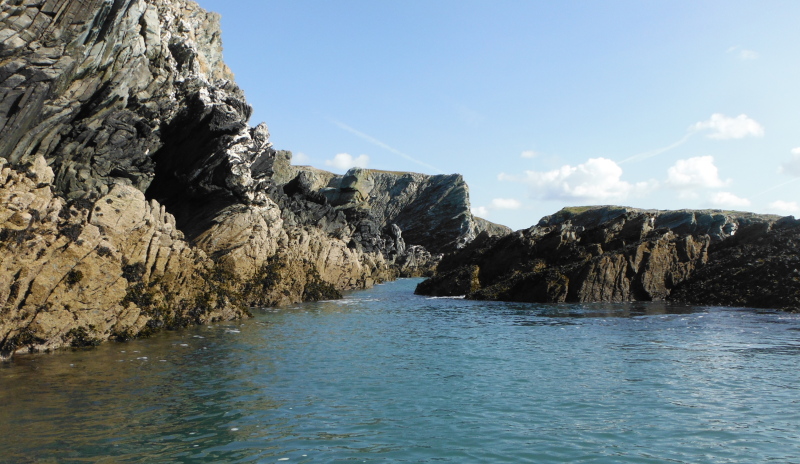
[81, 272]
[135, 195]
[431, 211]
[617, 254]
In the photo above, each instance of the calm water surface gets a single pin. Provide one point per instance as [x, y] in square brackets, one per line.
[387, 376]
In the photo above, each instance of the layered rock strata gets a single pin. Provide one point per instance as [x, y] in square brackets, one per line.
[79, 272]
[616, 254]
[135, 195]
[432, 211]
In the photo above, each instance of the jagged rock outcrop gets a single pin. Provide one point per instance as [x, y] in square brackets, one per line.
[619, 254]
[76, 273]
[122, 98]
[90, 85]
[136, 196]
[758, 267]
[432, 210]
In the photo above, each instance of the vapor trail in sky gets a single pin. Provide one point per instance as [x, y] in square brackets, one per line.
[776, 187]
[658, 151]
[380, 144]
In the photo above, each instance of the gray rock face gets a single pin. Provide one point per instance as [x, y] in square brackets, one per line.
[151, 203]
[89, 85]
[432, 211]
[619, 254]
[376, 208]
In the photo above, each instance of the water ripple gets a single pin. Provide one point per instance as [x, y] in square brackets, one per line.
[387, 376]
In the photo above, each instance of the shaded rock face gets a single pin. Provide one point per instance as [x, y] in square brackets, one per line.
[118, 99]
[616, 254]
[758, 267]
[432, 211]
[91, 85]
[135, 196]
[409, 218]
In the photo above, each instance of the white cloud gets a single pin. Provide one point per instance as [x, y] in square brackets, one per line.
[598, 179]
[698, 172]
[528, 154]
[497, 203]
[743, 53]
[480, 211]
[382, 145]
[723, 127]
[785, 206]
[748, 54]
[345, 161]
[792, 167]
[506, 203]
[728, 200]
[300, 158]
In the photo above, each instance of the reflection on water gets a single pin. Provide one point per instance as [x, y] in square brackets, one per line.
[636, 309]
[387, 376]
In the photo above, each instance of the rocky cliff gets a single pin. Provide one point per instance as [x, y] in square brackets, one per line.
[431, 211]
[134, 195]
[619, 254]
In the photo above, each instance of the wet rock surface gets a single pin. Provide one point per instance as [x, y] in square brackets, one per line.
[616, 254]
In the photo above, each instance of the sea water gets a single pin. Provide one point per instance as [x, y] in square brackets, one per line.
[387, 376]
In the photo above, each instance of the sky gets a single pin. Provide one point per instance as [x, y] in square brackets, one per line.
[663, 104]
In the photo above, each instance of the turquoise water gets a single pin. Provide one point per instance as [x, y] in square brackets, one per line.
[387, 376]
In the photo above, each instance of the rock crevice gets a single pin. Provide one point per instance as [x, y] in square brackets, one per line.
[135, 196]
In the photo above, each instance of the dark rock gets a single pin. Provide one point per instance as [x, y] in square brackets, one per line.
[619, 254]
[127, 102]
[457, 282]
[432, 211]
[758, 267]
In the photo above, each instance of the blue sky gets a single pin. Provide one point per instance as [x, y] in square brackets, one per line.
[540, 105]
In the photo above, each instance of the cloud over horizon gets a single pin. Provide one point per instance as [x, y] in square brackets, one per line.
[792, 167]
[790, 207]
[694, 173]
[497, 203]
[723, 127]
[598, 179]
[345, 161]
[506, 203]
[480, 211]
[728, 200]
